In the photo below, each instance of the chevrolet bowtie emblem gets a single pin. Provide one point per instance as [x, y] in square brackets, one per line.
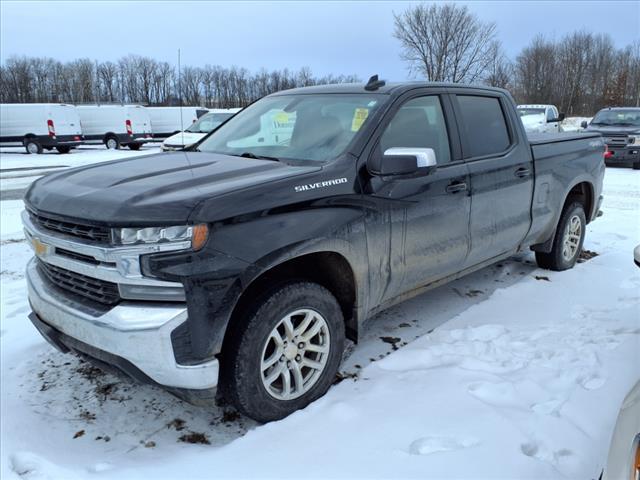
[39, 247]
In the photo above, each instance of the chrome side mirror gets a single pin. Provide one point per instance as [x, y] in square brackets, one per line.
[407, 161]
[425, 157]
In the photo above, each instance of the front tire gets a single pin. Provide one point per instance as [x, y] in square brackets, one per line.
[284, 352]
[636, 166]
[134, 146]
[568, 240]
[63, 149]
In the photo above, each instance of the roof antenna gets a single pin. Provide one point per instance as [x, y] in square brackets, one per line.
[374, 83]
[180, 95]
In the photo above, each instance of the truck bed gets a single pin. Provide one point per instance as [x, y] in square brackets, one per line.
[545, 138]
[560, 161]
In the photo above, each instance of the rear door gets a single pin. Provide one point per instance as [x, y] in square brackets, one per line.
[63, 121]
[58, 116]
[501, 173]
[140, 121]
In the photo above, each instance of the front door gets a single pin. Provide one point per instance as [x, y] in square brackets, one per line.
[425, 219]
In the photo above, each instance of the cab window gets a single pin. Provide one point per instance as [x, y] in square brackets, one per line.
[485, 126]
[419, 123]
[551, 114]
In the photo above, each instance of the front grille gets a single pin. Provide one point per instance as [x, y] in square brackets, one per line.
[77, 256]
[94, 289]
[87, 232]
[616, 140]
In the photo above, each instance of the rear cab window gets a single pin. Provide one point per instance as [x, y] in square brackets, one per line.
[484, 125]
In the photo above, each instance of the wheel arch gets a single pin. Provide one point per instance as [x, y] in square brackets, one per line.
[583, 192]
[331, 269]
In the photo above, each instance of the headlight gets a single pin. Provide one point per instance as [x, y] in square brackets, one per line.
[635, 139]
[131, 236]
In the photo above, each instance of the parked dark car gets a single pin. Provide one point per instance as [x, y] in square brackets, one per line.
[239, 267]
[620, 128]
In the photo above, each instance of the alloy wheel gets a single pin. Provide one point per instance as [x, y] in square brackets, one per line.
[295, 354]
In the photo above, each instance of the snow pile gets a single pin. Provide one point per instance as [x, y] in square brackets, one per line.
[574, 124]
[534, 123]
[10, 223]
[522, 377]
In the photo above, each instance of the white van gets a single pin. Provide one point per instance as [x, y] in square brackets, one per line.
[199, 129]
[38, 126]
[115, 125]
[167, 121]
[276, 128]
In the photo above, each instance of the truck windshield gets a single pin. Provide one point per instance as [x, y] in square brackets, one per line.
[530, 111]
[208, 122]
[309, 127]
[622, 118]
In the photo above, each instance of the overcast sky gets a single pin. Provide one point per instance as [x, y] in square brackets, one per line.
[329, 37]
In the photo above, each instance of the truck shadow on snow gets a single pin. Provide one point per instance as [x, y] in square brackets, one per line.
[115, 414]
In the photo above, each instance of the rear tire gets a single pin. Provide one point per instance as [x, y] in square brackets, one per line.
[112, 143]
[284, 352]
[568, 240]
[63, 149]
[32, 145]
[134, 146]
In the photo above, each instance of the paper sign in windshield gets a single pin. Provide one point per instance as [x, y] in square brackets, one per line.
[359, 116]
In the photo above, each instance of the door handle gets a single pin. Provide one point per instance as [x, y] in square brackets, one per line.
[522, 172]
[456, 187]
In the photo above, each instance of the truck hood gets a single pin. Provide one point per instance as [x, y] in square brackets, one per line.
[183, 138]
[613, 129]
[151, 190]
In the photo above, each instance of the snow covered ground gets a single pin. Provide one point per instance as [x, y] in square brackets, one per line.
[510, 372]
[573, 124]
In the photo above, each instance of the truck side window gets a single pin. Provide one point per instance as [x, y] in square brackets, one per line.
[551, 114]
[419, 123]
[484, 125]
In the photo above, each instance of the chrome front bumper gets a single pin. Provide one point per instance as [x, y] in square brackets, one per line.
[139, 332]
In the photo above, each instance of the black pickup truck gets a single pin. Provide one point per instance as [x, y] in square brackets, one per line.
[620, 128]
[239, 267]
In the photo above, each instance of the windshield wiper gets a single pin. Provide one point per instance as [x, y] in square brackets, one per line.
[257, 157]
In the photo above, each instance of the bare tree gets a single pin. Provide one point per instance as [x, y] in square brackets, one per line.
[536, 72]
[107, 73]
[445, 42]
[191, 85]
[138, 79]
[500, 71]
